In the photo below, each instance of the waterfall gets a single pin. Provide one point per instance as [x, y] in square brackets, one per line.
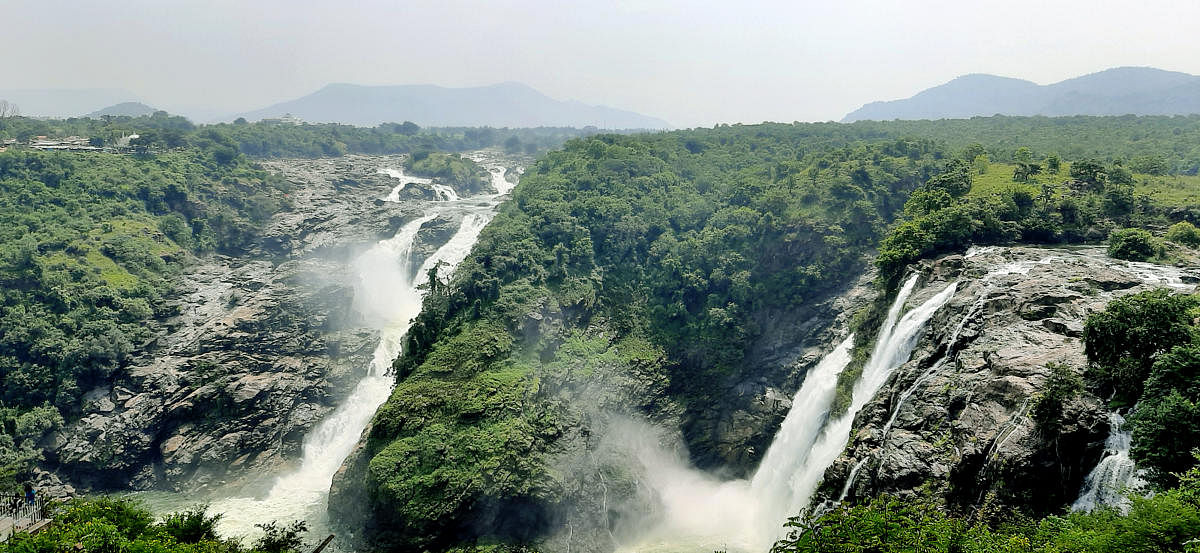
[441, 192]
[500, 183]
[773, 480]
[388, 297]
[892, 348]
[444, 192]
[700, 512]
[405, 180]
[1114, 476]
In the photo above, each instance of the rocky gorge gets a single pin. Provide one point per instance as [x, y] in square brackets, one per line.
[260, 346]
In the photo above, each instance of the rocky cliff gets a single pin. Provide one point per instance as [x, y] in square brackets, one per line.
[259, 347]
[955, 419]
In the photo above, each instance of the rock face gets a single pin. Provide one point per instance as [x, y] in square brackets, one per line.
[735, 433]
[259, 347]
[955, 418]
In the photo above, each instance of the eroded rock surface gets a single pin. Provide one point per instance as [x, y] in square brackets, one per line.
[959, 409]
[260, 347]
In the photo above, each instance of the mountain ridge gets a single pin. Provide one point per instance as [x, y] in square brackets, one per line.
[507, 104]
[1115, 91]
[130, 109]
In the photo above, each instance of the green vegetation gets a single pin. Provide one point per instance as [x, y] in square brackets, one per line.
[632, 265]
[1167, 522]
[1134, 244]
[1099, 197]
[1061, 386]
[89, 244]
[451, 169]
[1144, 350]
[1184, 233]
[162, 131]
[114, 525]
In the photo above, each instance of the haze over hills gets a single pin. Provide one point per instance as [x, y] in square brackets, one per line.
[65, 102]
[1118, 91]
[499, 105]
[131, 109]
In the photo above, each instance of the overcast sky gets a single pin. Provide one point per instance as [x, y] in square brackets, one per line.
[689, 62]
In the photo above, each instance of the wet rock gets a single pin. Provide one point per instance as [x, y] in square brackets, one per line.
[965, 433]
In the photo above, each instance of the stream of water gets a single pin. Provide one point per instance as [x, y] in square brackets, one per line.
[388, 296]
[701, 513]
[1115, 476]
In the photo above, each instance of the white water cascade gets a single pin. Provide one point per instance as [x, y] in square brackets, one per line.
[988, 285]
[740, 515]
[388, 297]
[892, 349]
[1114, 476]
[405, 180]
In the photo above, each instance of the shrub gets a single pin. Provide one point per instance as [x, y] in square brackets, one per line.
[192, 525]
[1132, 244]
[1184, 233]
[1061, 386]
[1123, 341]
[279, 539]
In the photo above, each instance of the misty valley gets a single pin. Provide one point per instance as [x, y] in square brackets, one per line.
[278, 334]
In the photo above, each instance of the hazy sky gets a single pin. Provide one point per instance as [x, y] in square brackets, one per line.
[689, 62]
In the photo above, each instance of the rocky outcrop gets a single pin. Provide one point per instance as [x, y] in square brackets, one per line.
[256, 350]
[954, 420]
[337, 207]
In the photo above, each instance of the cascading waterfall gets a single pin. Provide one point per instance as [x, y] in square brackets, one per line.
[892, 348]
[1115, 475]
[749, 515]
[405, 180]
[444, 192]
[388, 297]
[988, 285]
[499, 182]
[773, 481]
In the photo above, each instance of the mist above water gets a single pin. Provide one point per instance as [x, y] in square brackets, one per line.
[388, 297]
[700, 512]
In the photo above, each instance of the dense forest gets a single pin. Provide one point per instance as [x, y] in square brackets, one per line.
[274, 138]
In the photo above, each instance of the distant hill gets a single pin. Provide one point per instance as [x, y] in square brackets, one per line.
[501, 105]
[131, 109]
[1119, 91]
[64, 102]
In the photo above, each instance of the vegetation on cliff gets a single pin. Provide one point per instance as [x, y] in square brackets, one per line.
[88, 247]
[637, 263]
[1144, 353]
[452, 169]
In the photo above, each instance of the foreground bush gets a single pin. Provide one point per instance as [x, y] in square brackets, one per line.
[122, 525]
[1167, 522]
